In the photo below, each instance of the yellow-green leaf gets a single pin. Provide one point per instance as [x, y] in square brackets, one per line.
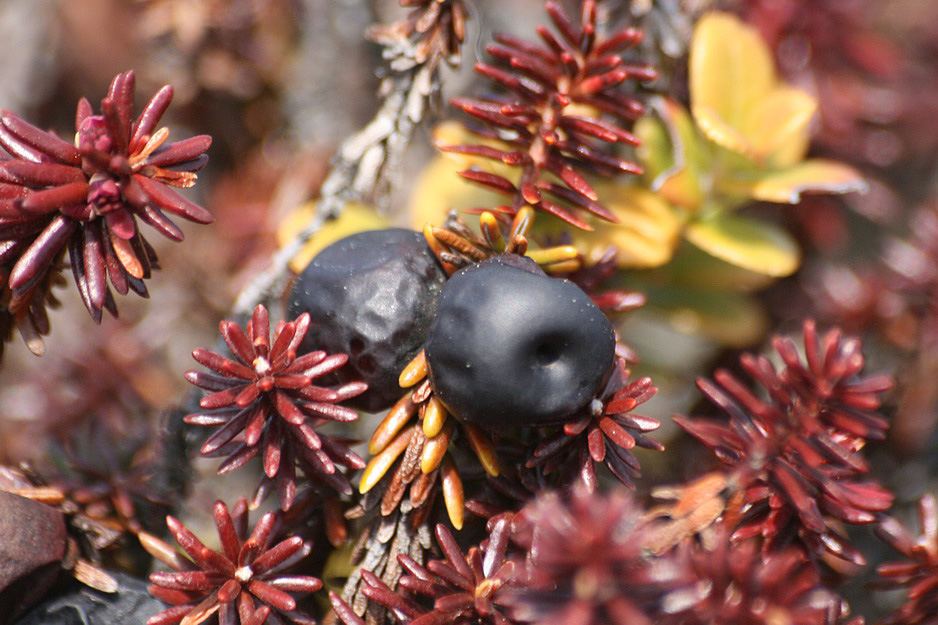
[731, 319]
[673, 155]
[656, 151]
[646, 235]
[754, 245]
[731, 71]
[691, 267]
[777, 126]
[812, 176]
[354, 218]
[715, 128]
[736, 98]
[647, 232]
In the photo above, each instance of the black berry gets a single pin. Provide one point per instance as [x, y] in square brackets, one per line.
[372, 296]
[511, 346]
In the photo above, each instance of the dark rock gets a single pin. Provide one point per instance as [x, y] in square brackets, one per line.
[372, 296]
[513, 347]
[32, 544]
[77, 604]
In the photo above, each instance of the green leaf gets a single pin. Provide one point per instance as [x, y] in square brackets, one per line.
[812, 176]
[692, 267]
[734, 320]
[656, 150]
[674, 153]
[754, 245]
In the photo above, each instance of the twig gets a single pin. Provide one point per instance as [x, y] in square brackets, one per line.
[367, 162]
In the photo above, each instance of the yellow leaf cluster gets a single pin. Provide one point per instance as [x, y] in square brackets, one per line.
[745, 139]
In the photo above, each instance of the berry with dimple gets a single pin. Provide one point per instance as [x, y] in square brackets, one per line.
[372, 296]
[511, 346]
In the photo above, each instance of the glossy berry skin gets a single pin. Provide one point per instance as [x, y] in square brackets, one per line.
[371, 295]
[513, 347]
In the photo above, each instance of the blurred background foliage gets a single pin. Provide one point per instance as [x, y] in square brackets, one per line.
[761, 131]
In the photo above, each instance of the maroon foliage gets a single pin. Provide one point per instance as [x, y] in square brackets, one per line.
[87, 198]
[897, 299]
[544, 119]
[587, 564]
[795, 453]
[265, 399]
[27, 309]
[463, 589]
[737, 584]
[245, 583]
[919, 574]
[604, 432]
[109, 475]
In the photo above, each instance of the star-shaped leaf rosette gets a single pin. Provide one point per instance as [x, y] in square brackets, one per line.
[917, 573]
[587, 565]
[264, 400]
[462, 588]
[565, 108]
[248, 582]
[793, 450]
[551, 121]
[737, 583]
[87, 198]
[605, 432]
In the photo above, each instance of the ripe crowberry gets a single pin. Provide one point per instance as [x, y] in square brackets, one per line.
[371, 295]
[511, 346]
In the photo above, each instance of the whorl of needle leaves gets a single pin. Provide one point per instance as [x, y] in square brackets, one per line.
[794, 450]
[463, 588]
[919, 573]
[736, 583]
[587, 564]
[564, 100]
[605, 431]
[87, 198]
[247, 582]
[265, 399]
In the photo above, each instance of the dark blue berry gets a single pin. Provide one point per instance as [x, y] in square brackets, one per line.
[513, 347]
[372, 296]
